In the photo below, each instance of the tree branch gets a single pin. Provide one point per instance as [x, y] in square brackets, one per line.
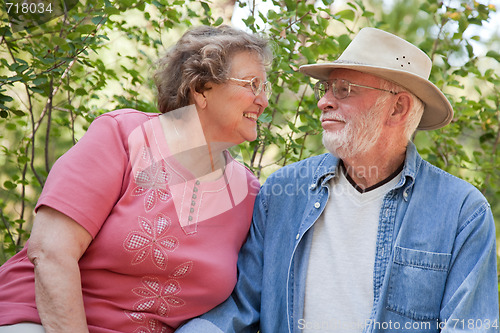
[494, 151]
[7, 227]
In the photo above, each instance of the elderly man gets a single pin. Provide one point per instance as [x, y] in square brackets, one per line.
[369, 238]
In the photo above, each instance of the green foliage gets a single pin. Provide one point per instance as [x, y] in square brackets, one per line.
[56, 78]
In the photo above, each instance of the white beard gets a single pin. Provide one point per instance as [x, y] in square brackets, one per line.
[357, 137]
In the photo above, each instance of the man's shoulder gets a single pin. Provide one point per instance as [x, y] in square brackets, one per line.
[435, 173]
[442, 183]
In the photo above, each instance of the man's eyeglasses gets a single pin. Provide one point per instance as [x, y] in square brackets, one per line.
[257, 85]
[341, 88]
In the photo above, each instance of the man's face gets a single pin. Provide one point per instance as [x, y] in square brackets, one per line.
[352, 125]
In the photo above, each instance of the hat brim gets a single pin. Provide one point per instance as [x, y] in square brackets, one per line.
[438, 111]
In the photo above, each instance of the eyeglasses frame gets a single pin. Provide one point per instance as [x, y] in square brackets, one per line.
[264, 85]
[349, 84]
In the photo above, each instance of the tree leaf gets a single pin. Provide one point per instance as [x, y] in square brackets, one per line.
[493, 54]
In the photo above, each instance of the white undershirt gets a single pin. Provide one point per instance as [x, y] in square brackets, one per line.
[339, 283]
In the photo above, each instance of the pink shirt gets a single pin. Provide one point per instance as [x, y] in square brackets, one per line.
[164, 244]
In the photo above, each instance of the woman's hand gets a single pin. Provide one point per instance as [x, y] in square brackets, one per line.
[56, 245]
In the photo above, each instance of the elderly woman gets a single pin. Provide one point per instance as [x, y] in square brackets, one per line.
[139, 225]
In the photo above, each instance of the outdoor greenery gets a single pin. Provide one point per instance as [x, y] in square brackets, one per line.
[99, 56]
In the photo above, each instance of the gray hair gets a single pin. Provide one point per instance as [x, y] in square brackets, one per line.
[416, 112]
[202, 55]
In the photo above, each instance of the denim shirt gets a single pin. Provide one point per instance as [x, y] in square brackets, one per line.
[435, 259]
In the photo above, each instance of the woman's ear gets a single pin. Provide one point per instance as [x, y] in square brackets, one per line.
[199, 99]
[199, 95]
[401, 109]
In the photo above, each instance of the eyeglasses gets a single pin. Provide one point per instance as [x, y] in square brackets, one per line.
[257, 85]
[341, 88]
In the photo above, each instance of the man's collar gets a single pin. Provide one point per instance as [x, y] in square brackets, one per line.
[412, 163]
[328, 165]
[327, 168]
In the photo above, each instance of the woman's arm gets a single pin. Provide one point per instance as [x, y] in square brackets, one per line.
[56, 245]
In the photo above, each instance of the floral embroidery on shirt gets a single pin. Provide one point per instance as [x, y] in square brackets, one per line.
[156, 297]
[152, 241]
[138, 317]
[182, 270]
[152, 325]
[152, 182]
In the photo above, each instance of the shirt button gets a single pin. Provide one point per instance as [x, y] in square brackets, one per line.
[194, 196]
[193, 203]
[297, 237]
[405, 195]
[197, 182]
[317, 205]
[313, 186]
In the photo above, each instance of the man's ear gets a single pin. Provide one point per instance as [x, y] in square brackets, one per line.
[401, 109]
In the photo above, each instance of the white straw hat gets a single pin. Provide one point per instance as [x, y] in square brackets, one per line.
[385, 55]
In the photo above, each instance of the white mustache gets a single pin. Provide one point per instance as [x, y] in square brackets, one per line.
[331, 116]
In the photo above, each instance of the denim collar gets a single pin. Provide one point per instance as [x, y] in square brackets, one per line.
[328, 164]
[326, 169]
[412, 164]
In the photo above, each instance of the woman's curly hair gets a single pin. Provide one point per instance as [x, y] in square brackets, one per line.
[203, 54]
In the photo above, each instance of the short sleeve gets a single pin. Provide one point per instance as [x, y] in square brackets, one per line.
[86, 182]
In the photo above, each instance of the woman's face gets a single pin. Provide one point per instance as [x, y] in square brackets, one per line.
[231, 110]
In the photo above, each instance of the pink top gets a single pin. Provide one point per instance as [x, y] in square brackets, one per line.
[164, 245]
